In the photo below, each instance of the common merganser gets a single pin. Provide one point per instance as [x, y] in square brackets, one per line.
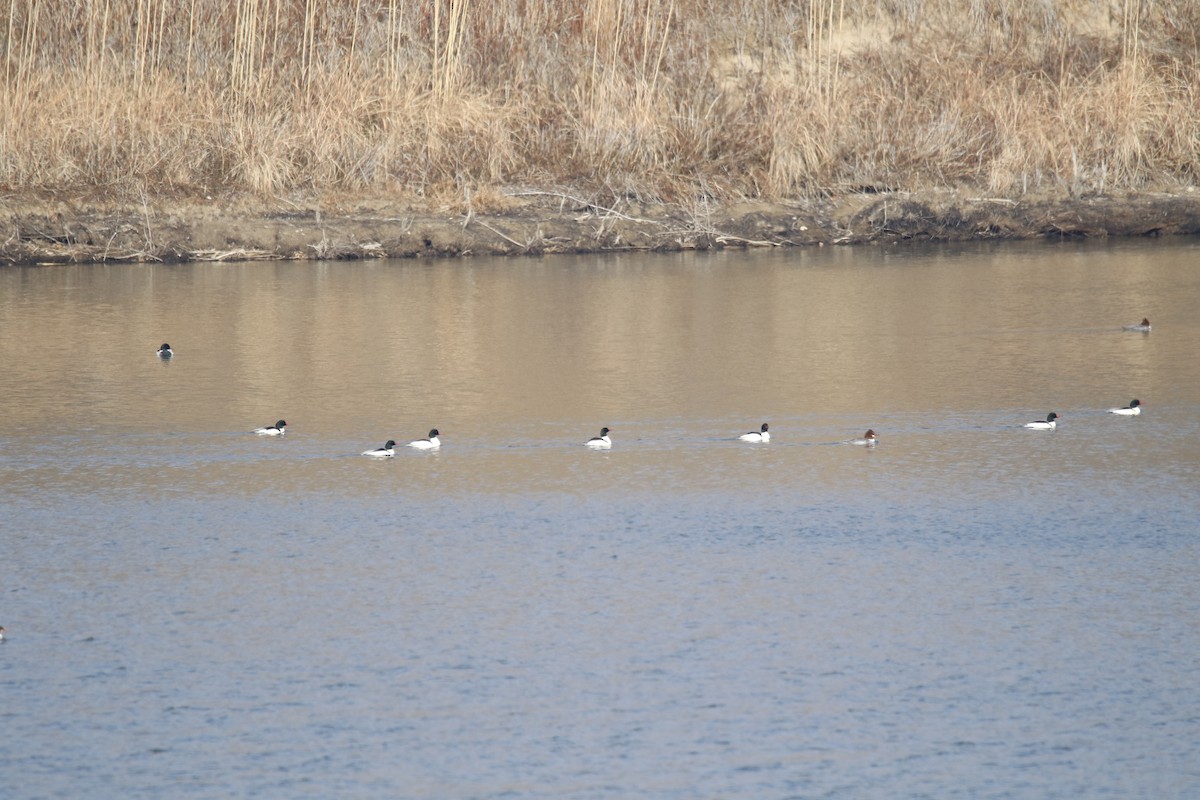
[760, 435]
[427, 444]
[1132, 410]
[1143, 327]
[601, 442]
[387, 451]
[165, 351]
[1048, 424]
[1, 633]
[868, 439]
[278, 429]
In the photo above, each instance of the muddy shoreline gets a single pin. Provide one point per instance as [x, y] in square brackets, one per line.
[50, 230]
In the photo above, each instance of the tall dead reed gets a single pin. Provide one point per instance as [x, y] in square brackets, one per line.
[654, 99]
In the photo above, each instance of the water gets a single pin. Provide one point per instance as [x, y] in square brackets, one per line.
[968, 610]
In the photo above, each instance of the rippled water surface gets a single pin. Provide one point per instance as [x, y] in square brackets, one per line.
[967, 610]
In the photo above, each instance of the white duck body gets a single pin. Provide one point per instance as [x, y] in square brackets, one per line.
[601, 442]
[387, 451]
[763, 434]
[1047, 424]
[278, 429]
[432, 443]
[1132, 410]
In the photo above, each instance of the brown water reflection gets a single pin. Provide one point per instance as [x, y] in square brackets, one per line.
[477, 347]
[942, 350]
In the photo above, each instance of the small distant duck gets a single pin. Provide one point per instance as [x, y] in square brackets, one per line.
[1, 633]
[278, 429]
[387, 451]
[601, 442]
[1142, 327]
[868, 439]
[165, 351]
[431, 443]
[1132, 410]
[760, 435]
[1047, 424]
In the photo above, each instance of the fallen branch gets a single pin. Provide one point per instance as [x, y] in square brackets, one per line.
[237, 254]
[501, 235]
[586, 204]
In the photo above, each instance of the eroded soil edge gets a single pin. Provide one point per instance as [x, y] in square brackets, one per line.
[63, 230]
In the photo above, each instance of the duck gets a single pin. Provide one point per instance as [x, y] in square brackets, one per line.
[1143, 326]
[760, 435]
[387, 451]
[278, 429]
[165, 351]
[1132, 410]
[1, 633]
[601, 442]
[868, 439]
[1047, 424]
[431, 443]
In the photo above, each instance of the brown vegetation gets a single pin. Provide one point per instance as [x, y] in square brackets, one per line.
[679, 101]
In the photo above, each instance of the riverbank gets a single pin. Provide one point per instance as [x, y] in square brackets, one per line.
[57, 229]
[267, 130]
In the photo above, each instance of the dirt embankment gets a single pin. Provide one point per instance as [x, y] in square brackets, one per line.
[65, 230]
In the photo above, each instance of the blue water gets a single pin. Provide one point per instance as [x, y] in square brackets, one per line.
[968, 609]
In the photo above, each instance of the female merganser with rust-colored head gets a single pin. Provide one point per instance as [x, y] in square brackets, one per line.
[278, 429]
[601, 442]
[868, 439]
[1143, 326]
[1048, 424]
[1132, 410]
[431, 443]
[760, 435]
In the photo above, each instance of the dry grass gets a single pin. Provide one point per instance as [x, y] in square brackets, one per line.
[677, 100]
